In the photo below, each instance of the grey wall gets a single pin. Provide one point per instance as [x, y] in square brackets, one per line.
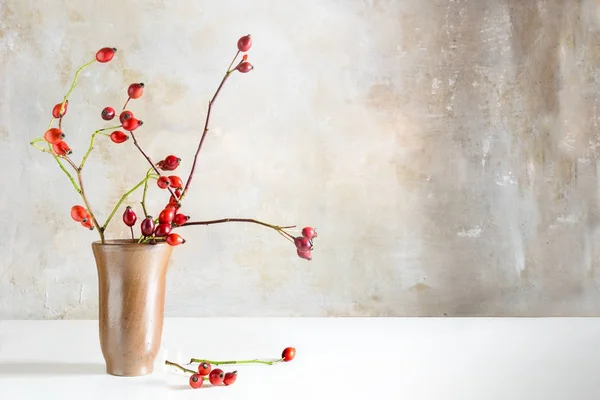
[447, 151]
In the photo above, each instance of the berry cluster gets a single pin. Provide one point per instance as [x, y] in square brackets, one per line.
[217, 376]
[170, 217]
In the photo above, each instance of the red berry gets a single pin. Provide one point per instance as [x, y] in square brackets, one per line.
[309, 233]
[125, 115]
[216, 376]
[288, 354]
[245, 57]
[180, 219]
[175, 240]
[166, 216]
[196, 381]
[175, 206]
[61, 148]
[56, 110]
[244, 43]
[129, 217]
[204, 369]
[147, 226]
[118, 137]
[88, 224]
[302, 243]
[245, 67]
[131, 124]
[176, 182]
[79, 214]
[107, 113]
[162, 230]
[105, 54]
[304, 254]
[135, 90]
[230, 378]
[54, 135]
[170, 163]
[163, 182]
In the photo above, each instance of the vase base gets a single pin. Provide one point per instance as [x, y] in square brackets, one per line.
[129, 372]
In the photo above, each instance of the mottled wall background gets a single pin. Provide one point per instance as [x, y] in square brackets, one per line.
[447, 151]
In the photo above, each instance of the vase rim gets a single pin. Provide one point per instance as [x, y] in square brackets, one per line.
[126, 242]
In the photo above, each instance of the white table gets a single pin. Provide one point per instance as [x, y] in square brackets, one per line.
[483, 359]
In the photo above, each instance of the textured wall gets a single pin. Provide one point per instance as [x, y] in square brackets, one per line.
[447, 151]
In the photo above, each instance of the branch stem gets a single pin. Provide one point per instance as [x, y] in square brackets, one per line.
[189, 371]
[279, 229]
[205, 131]
[122, 199]
[255, 361]
[92, 140]
[85, 200]
[144, 195]
[135, 142]
[62, 107]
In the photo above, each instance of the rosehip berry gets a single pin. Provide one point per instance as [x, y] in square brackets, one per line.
[302, 243]
[162, 230]
[163, 182]
[204, 369]
[245, 57]
[125, 115]
[54, 135]
[131, 124]
[147, 226]
[175, 240]
[288, 354]
[196, 381]
[166, 216]
[245, 67]
[216, 376]
[170, 163]
[88, 224]
[304, 254]
[61, 148]
[107, 113]
[118, 137]
[230, 378]
[180, 219]
[105, 54]
[129, 217]
[176, 182]
[56, 110]
[135, 90]
[79, 214]
[309, 233]
[175, 206]
[244, 43]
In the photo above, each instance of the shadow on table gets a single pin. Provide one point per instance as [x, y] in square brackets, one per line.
[41, 368]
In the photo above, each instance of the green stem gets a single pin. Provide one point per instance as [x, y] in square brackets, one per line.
[85, 200]
[87, 154]
[71, 88]
[122, 199]
[189, 371]
[255, 361]
[145, 191]
[60, 164]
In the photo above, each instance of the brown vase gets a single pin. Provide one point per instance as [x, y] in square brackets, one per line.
[131, 289]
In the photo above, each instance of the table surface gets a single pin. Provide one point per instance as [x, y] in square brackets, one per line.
[345, 358]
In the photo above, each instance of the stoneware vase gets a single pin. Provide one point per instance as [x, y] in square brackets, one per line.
[131, 283]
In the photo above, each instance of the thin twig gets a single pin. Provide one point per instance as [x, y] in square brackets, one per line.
[135, 142]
